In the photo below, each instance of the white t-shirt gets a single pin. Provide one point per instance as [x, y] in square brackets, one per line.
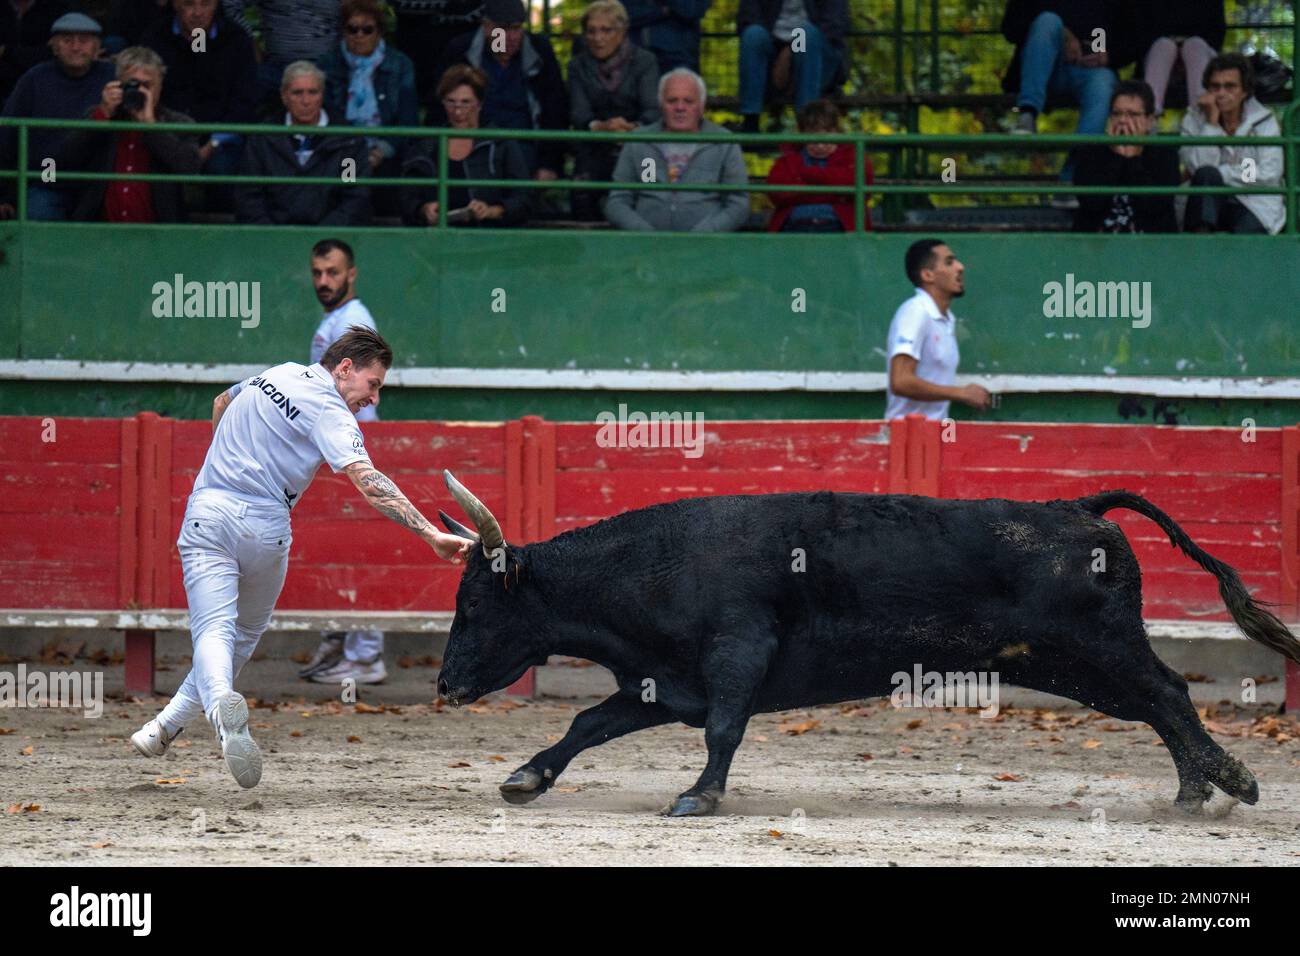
[275, 434]
[335, 324]
[920, 330]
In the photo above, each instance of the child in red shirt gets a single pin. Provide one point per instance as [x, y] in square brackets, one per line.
[815, 164]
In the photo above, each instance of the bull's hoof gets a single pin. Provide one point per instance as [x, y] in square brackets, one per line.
[1192, 796]
[694, 805]
[1235, 780]
[524, 785]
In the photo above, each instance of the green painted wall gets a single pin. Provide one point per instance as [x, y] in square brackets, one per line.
[1222, 306]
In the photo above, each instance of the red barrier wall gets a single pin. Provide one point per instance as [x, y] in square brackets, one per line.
[90, 519]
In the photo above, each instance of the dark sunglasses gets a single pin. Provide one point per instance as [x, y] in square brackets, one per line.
[364, 31]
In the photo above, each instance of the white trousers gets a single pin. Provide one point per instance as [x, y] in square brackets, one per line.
[234, 555]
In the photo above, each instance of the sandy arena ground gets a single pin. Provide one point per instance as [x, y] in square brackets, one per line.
[399, 780]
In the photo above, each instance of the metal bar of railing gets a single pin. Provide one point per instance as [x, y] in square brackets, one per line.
[21, 204]
[860, 141]
[443, 161]
[859, 184]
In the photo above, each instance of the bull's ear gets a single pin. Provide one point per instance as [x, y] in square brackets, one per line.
[455, 527]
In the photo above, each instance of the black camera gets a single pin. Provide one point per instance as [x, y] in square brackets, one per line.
[132, 98]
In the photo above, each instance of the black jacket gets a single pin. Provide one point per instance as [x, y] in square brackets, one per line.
[25, 42]
[548, 100]
[307, 205]
[218, 85]
[94, 151]
[487, 159]
[636, 99]
[1081, 17]
[1184, 18]
[1099, 165]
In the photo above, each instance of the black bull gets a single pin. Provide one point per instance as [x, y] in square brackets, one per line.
[703, 613]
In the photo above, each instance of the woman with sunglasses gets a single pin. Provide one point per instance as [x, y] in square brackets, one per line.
[369, 83]
[461, 92]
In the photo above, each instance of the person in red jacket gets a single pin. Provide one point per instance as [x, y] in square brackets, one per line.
[815, 164]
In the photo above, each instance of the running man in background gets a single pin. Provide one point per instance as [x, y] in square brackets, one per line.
[358, 655]
[270, 435]
[922, 347]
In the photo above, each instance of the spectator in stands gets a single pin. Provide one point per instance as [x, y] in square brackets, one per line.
[525, 89]
[1055, 55]
[1190, 30]
[681, 102]
[670, 29]
[1132, 113]
[1229, 108]
[773, 52]
[340, 156]
[25, 37]
[63, 88]
[816, 164]
[922, 346]
[137, 18]
[212, 82]
[109, 14]
[289, 30]
[369, 83]
[462, 92]
[105, 150]
[613, 87]
[425, 27]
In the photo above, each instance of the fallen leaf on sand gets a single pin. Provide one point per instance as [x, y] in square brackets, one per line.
[795, 730]
[26, 751]
[1091, 744]
[1007, 777]
[100, 846]
[170, 780]
[364, 708]
[354, 739]
[459, 763]
[775, 833]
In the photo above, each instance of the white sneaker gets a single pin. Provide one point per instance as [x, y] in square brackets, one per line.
[151, 740]
[243, 757]
[361, 672]
[328, 653]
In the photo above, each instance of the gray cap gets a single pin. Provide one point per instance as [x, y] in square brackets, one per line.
[75, 23]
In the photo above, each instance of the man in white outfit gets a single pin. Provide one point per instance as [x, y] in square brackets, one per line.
[271, 433]
[922, 347]
[355, 655]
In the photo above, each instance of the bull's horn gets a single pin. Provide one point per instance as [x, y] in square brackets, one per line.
[455, 527]
[488, 529]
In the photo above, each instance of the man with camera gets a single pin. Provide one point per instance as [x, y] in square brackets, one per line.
[132, 97]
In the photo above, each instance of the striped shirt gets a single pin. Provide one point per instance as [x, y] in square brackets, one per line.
[291, 29]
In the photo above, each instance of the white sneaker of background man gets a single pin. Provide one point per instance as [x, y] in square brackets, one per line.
[235, 540]
[357, 655]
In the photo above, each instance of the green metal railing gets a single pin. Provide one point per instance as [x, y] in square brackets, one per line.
[861, 142]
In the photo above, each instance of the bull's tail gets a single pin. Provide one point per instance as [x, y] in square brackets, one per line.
[1255, 621]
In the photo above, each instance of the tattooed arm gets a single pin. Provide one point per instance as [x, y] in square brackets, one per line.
[387, 499]
[219, 405]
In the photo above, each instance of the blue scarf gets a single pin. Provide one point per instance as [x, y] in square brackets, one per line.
[363, 105]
